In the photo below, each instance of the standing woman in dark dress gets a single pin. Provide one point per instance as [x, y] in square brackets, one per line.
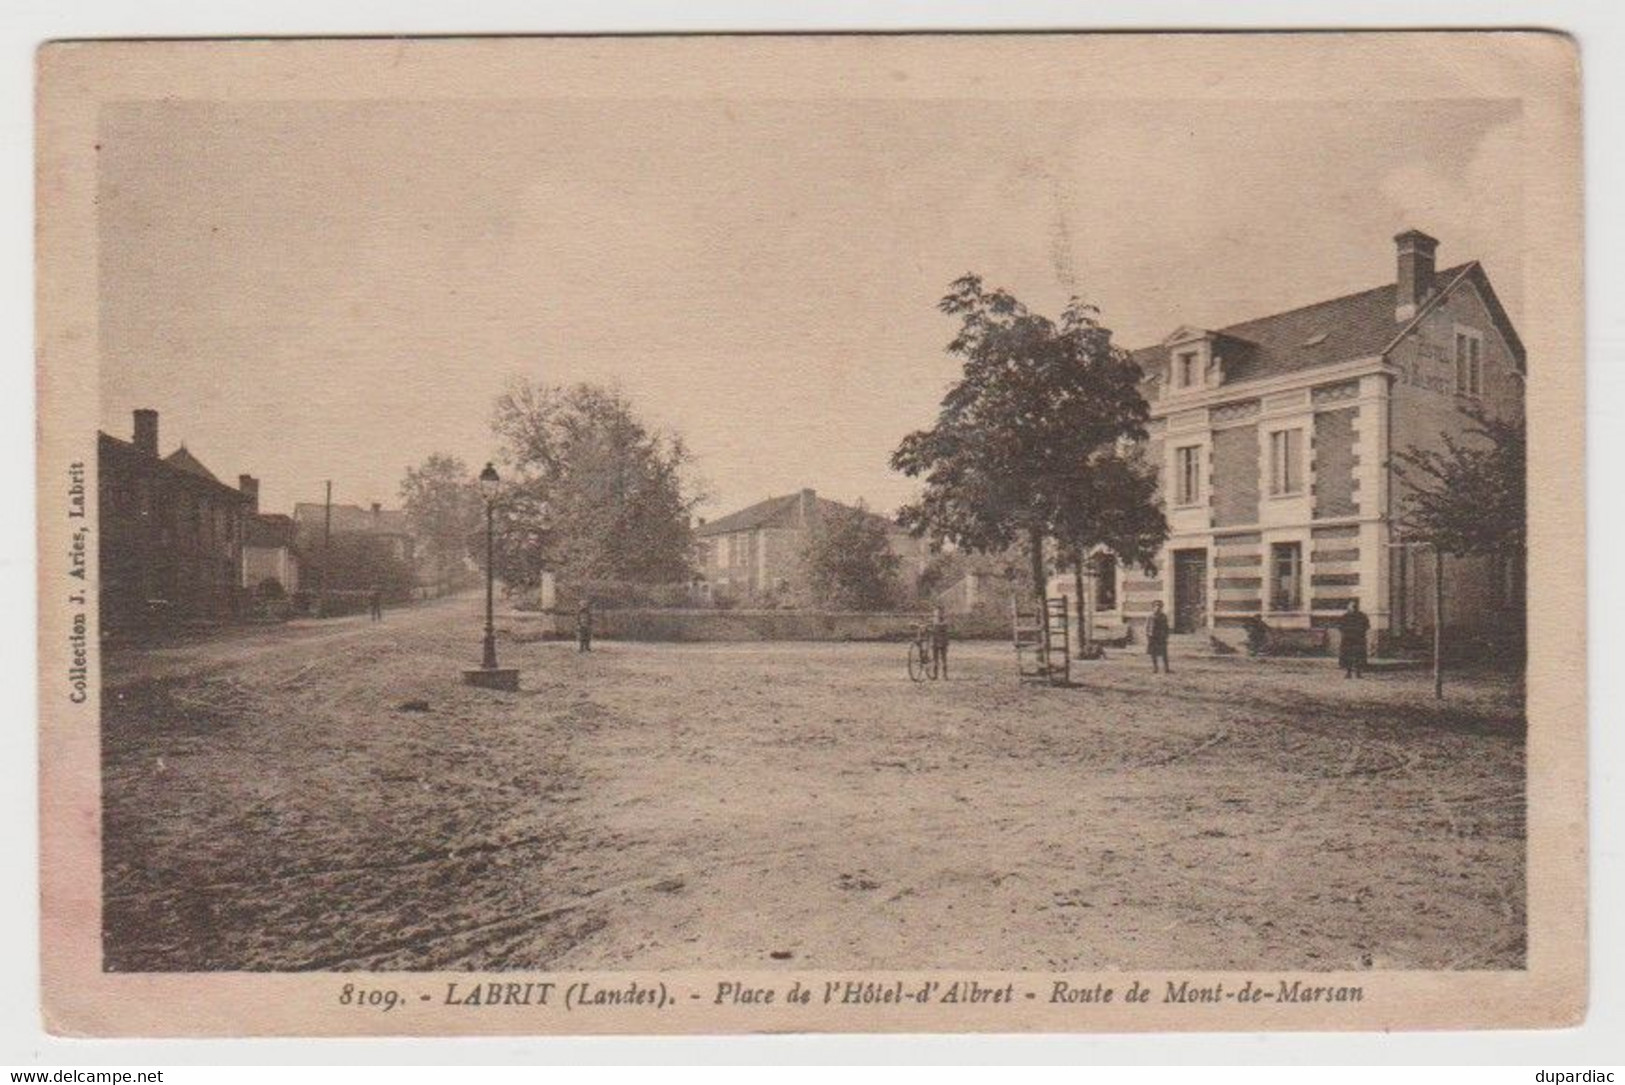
[1351, 652]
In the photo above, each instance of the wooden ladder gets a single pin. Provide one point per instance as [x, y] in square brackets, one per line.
[1043, 642]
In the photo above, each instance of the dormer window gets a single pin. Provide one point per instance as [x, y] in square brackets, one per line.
[1187, 369]
[1193, 363]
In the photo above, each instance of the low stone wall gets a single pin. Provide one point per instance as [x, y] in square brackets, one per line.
[752, 625]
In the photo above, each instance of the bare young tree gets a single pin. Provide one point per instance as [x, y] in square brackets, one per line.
[1470, 499]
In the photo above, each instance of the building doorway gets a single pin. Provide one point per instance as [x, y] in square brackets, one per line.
[1190, 590]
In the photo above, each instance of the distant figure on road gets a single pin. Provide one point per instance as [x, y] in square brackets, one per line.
[377, 603]
[939, 641]
[1156, 638]
[584, 626]
[1351, 652]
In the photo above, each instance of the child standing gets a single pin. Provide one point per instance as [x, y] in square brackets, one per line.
[939, 641]
[584, 626]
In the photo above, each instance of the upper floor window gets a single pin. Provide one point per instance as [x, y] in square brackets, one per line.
[1286, 462]
[1188, 475]
[1469, 363]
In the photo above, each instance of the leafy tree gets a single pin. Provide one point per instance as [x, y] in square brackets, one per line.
[593, 493]
[1111, 504]
[444, 505]
[1019, 437]
[353, 562]
[848, 563]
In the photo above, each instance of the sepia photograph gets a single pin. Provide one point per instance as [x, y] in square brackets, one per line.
[979, 539]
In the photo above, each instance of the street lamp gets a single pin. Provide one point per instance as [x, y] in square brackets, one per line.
[489, 481]
[489, 674]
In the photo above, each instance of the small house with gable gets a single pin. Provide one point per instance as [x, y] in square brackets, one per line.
[756, 553]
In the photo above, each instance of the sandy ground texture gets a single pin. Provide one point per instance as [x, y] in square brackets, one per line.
[277, 801]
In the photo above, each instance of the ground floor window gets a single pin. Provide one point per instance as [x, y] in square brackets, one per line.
[1286, 576]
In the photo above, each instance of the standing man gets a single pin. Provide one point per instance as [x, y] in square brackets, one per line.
[939, 641]
[377, 603]
[1156, 638]
[1351, 652]
[584, 626]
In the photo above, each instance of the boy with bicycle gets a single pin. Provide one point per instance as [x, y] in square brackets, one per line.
[937, 631]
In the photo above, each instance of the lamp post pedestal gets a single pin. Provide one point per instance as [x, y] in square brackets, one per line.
[503, 678]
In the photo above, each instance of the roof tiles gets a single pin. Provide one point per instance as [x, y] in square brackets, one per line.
[1340, 329]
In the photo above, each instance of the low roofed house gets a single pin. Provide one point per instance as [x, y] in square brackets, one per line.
[269, 550]
[391, 526]
[757, 551]
[171, 534]
[1276, 439]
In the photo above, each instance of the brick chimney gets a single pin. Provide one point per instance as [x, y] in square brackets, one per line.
[146, 431]
[250, 487]
[1415, 272]
[807, 508]
[377, 513]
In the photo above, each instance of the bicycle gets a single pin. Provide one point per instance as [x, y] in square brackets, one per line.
[922, 663]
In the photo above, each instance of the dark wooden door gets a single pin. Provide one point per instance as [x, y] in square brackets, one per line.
[1190, 590]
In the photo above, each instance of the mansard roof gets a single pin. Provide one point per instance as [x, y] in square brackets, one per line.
[1341, 329]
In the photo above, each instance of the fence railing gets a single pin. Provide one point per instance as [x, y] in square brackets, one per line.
[685, 624]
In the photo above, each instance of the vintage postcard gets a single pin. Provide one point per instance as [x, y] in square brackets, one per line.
[928, 533]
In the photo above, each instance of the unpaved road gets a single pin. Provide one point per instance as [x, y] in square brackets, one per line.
[784, 805]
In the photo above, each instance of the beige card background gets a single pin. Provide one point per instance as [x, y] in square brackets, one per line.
[1538, 70]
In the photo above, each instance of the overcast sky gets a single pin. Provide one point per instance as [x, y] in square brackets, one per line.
[310, 290]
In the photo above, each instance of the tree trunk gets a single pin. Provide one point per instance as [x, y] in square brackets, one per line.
[1035, 549]
[1083, 608]
[1438, 623]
